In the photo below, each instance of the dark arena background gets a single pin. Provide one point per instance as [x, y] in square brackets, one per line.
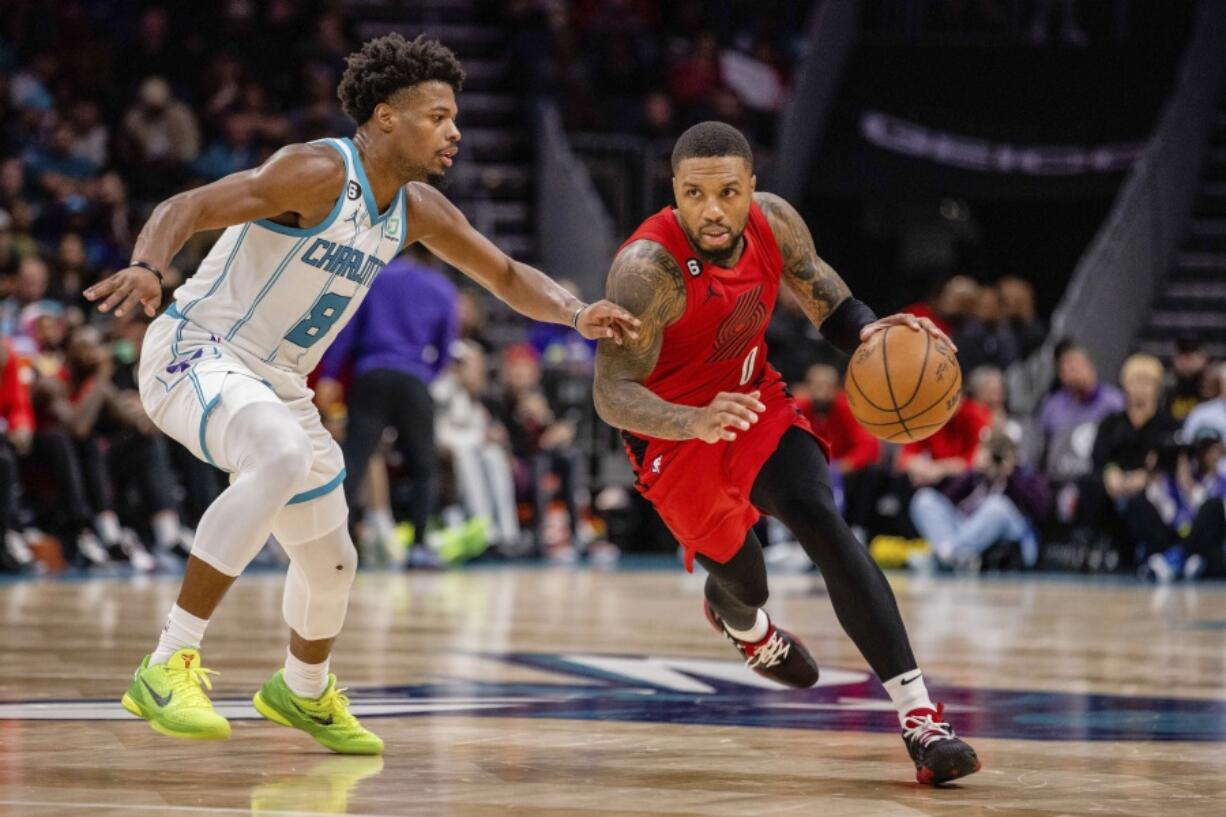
[1045, 180]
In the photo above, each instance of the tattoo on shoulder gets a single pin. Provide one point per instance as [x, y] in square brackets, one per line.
[645, 280]
[817, 286]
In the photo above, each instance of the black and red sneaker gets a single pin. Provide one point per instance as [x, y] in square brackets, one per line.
[940, 756]
[779, 656]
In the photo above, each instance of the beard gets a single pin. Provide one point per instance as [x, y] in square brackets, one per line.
[719, 257]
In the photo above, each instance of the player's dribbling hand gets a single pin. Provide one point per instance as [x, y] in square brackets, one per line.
[127, 288]
[605, 320]
[911, 322]
[727, 412]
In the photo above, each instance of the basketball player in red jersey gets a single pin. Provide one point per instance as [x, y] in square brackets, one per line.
[715, 438]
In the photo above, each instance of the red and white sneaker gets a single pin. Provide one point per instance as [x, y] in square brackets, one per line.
[940, 756]
[779, 656]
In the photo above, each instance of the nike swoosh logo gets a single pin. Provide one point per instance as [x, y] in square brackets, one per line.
[906, 681]
[321, 721]
[161, 701]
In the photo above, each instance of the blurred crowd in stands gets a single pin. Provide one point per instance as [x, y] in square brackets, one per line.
[108, 107]
[1098, 477]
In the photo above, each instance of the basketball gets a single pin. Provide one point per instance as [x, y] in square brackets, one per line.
[903, 384]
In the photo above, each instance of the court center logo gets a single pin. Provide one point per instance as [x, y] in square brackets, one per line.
[694, 691]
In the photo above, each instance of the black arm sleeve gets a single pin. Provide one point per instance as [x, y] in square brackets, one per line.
[843, 326]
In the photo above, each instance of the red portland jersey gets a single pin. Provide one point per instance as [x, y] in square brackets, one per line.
[702, 490]
[718, 344]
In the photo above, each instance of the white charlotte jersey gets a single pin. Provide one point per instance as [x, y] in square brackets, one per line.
[283, 293]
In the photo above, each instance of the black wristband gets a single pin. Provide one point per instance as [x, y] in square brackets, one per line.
[148, 266]
[574, 319]
[843, 326]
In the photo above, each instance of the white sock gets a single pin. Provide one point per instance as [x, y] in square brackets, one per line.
[306, 680]
[908, 692]
[755, 633]
[107, 526]
[165, 526]
[182, 630]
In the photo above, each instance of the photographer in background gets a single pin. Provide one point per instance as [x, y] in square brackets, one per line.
[1202, 488]
[995, 501]
[1126, 458]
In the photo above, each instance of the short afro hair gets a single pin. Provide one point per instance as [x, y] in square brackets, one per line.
[710, 140]
[387, 64]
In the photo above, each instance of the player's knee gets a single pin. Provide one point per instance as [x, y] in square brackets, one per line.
[814, 507]
[290, 456]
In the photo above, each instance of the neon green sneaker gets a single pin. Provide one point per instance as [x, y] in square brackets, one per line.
[172, 698]
[327, 718]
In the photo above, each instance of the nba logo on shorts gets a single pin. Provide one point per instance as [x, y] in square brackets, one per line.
[355, 190]
[655, 464]
[694, 267]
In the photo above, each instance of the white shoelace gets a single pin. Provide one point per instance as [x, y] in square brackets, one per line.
[928, 730]
[771, 653]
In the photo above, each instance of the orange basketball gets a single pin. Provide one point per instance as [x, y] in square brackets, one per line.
[903, 384]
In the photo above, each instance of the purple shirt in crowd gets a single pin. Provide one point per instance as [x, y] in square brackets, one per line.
[1062, 410]
[407, 323]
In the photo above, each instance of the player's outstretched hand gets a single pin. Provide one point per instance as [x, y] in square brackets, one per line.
[127, 288]
[606, 320]
[728, 411]
[911, 322]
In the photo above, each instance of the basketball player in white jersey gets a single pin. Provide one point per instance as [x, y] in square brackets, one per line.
[223, 370]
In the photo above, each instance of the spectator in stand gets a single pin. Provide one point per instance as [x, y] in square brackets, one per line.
[949, 452]
[1127, 460]
[1191, 381]
[119, 446]
[1203, 486]
[393, 355]
[232, 151]
[29, 288]
[90, 138]
[473, 317]
[17, 428]
[987, 385]
[10, 253]
[948, 303]
[855, 452]
[1017, 303]
[995, 500]
[57, 171]
[695, 77]
[1068, 416]
[1211, 413]
[162, 138]
[477, 446]
[73, 271]
[542, 444]
[985, 337]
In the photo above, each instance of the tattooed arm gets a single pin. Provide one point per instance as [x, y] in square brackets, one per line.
[817, 286]
[820, 290]
[646, 281]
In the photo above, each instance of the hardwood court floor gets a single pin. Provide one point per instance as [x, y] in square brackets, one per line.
[551, 693]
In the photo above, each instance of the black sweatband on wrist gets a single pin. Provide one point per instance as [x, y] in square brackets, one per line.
[148, 266]
[843, 326]
[574, 319]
